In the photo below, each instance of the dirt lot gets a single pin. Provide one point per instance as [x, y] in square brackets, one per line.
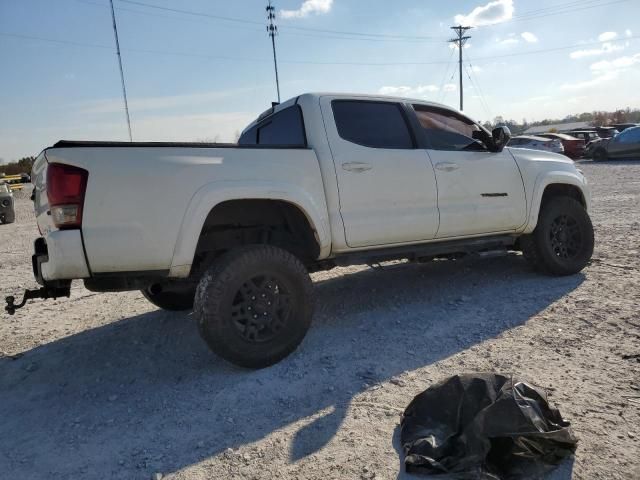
[106, 386]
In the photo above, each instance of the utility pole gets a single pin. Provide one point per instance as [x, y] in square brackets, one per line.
[124, 88]
[459, 42]
[273, 30]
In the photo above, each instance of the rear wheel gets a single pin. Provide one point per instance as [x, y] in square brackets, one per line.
[562, 242]
[254, 305]
[600, 155]
[172, 298]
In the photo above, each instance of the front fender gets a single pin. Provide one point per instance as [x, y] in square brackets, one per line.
[543, 180]
[212, 194]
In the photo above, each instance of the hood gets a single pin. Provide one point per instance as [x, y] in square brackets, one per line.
[529, 155]
[534, 162]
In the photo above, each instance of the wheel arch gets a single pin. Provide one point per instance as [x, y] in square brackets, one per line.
[557, 184]
[217, 197]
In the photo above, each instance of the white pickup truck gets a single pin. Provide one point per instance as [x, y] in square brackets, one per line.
[318, 181]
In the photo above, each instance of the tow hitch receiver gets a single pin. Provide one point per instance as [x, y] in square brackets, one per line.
[43, 292]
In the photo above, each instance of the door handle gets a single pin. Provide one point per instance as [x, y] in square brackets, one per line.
[357, 167]
[447, 166]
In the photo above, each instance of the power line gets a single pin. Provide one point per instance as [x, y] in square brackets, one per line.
[191, 12]
[444, 90]
[570, 7]
[287, 30]
[306, 29]
[305, 62]
[475, 85]
[445, 73]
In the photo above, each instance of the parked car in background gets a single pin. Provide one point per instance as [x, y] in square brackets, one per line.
[7, 209]
[586, 135]
[621, 127]
[573, 147]
[607, 132]
[623, 145]
[536, 143]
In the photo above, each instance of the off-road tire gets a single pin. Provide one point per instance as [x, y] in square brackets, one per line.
[600, 155]
[545, 249]
[254, 305]
[174, 300]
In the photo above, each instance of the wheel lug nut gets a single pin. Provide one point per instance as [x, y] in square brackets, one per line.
[265, 314]
[253, 298]
[255, 316]
[263, 295]
[249, 308]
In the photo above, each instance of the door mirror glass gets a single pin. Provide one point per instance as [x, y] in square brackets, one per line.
[501, 136]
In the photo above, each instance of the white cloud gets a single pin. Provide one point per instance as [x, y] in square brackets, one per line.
[476, 69]
[307, 8]
[509, 41]
[493, 12]
[417, 91]
[607, 36]
[406, 91]
[529, 37]
[594, 82]
[628, 32]
[618, 63]
[594, 52]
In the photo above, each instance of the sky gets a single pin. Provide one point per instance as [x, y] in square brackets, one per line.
[200, 70]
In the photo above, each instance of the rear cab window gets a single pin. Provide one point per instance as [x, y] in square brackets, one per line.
[374, 124]
[283, 128]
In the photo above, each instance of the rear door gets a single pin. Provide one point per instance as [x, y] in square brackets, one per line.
[479, 191]
[386, 184]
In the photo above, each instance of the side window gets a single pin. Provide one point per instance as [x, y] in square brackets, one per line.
[372, 124]
[283, 128]
[447, 130]
[629, 136]
[250, 137]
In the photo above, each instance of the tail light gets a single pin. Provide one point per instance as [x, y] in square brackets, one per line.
[66, 187]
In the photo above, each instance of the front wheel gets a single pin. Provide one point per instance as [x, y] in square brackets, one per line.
[254, 305]
[562, 242]
[600, 155]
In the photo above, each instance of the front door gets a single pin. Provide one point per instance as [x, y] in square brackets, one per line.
[479, 191]
[386, 184]
[625, 145]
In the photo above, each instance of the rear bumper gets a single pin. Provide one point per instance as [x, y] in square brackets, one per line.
[59, 257]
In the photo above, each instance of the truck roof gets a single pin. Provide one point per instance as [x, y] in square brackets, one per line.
[358, 96]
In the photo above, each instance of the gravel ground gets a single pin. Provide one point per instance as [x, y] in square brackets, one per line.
[107, 386]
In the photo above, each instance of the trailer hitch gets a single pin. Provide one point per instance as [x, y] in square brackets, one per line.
[43, 292]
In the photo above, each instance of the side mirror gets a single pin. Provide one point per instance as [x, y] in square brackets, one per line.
[501, 136]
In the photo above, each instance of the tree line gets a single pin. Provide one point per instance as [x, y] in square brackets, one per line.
[24, 165]
[595, 119]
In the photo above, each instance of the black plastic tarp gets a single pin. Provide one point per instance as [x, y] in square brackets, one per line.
[484, 426]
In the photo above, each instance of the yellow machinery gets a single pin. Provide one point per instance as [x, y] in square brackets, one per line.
[14, 181]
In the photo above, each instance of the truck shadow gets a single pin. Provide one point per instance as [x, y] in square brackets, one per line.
[144, 394]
